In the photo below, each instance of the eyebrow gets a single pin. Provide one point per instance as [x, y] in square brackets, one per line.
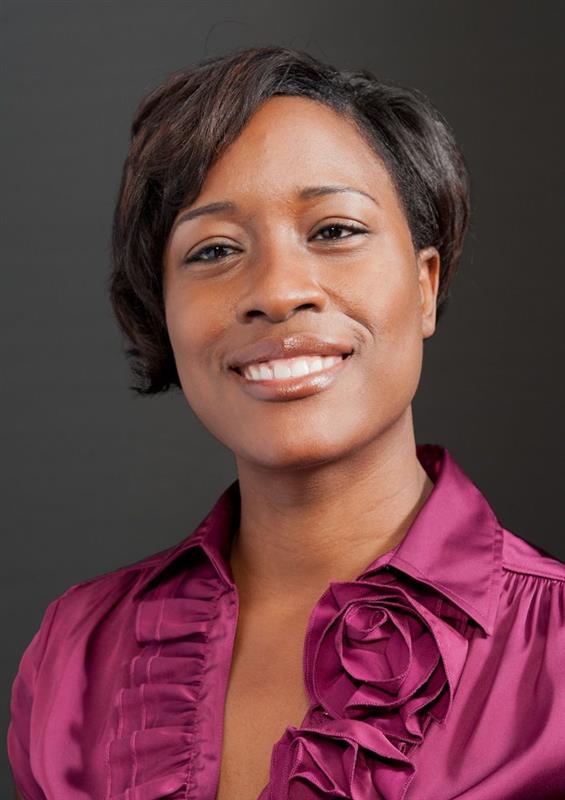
[306, 193]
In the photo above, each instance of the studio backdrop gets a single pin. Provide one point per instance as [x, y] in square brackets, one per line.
[96, 477]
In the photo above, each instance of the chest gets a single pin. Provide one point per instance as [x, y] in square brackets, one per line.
[265, 695]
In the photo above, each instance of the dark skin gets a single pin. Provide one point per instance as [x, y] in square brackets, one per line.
[307, 468]
[330, 481]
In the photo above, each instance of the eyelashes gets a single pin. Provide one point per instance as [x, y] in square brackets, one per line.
[217, 248]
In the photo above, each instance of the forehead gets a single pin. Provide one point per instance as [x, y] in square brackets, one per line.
[292, 141]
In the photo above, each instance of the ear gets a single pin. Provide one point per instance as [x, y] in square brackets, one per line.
[428, 279]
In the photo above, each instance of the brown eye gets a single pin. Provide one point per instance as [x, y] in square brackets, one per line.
[218, 252]
[335, 230]
[213, 252]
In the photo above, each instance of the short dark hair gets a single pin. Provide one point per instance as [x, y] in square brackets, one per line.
[183, 125]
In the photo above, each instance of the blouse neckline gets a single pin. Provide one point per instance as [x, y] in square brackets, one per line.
[436, 549]
[383, 655]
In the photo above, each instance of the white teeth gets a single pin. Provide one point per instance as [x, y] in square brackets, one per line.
[281, 368]
[255, 372]
[299, 367]
[317, 363]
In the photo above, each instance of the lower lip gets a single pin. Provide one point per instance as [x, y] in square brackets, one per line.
[292, 388]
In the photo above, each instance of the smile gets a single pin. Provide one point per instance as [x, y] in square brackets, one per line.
[289, 367]
[290, 378]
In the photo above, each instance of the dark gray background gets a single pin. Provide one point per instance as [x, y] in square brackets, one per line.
[97, 478]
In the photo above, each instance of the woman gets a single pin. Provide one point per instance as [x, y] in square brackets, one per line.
[350, 620]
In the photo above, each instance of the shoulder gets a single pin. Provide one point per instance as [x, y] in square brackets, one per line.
[125, 576]
[80, 627]
[72, 616]
[82, 606]
[523, 557]
[531, 603]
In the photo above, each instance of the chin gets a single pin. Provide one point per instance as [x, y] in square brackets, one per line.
[298, 452]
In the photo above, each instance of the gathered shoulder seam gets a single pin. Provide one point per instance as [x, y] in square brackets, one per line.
[535, 573]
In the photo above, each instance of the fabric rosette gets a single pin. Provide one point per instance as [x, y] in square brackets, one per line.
[376, 653]
[338, 759]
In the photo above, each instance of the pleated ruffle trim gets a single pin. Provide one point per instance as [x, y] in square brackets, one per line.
[169, 718]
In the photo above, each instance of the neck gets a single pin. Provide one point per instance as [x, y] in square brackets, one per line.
[300, 529]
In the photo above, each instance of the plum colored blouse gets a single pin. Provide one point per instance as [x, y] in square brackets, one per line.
[439, 673]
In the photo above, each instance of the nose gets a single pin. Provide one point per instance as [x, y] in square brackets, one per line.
[279, 285]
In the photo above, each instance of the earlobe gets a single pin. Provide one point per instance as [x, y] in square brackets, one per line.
[428, 278]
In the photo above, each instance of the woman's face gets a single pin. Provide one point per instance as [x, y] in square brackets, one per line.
[306, 254]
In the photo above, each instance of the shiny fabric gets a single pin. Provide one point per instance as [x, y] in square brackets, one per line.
[439, 673]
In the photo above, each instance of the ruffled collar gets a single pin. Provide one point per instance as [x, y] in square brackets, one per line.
[383, 655]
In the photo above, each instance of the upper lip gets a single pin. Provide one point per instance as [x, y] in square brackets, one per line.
[296, 344]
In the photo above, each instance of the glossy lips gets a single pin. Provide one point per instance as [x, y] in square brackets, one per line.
[245, 365]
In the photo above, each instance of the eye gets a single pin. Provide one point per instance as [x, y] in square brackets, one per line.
[213, 252]
[218, 252]
[335, 229]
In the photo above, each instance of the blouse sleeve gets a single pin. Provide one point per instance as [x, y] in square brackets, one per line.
[19, 737]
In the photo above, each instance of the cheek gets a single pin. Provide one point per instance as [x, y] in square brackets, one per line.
[183, 330]
[394, 318]
[193, 325]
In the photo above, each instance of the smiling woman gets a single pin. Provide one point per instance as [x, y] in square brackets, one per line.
[350, 620]
[273, 272]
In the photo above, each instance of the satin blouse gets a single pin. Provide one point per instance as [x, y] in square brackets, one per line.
[439, 673]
